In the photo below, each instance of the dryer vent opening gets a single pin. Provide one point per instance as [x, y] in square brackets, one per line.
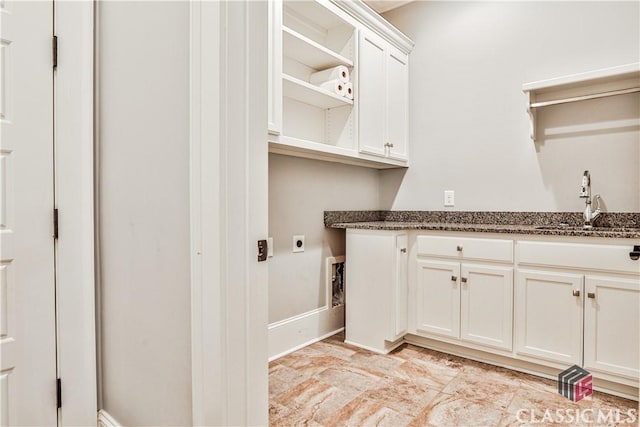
[335, 280]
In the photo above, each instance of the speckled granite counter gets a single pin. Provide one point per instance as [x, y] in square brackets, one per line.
[610, 225]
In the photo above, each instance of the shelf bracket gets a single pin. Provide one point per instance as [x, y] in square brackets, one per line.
[532, 115]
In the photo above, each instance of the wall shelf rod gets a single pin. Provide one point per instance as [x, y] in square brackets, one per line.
[584, 97]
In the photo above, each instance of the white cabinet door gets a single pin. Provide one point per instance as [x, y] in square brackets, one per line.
[371, 93]
[399, 292]
[397, 103]
[611, 331]
[549, 316]
[438, 298]
[486, 305]
[376, 289]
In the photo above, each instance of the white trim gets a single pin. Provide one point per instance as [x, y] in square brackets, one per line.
[106, 420]
[208, 397]
[229, 201]
[74, 85]
[296, 332]
[376, 23]
[298, 347]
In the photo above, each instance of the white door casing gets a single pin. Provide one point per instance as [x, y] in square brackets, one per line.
[75, 274]
[27, 305]
[229, 212]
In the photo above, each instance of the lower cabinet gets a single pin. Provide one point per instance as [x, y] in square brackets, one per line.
[579, 303]
[611, 326]
[549, 316]
[569, 301]
[472, 302]
[459, 298]
[376, 289]
[438, 298]
[486, 305]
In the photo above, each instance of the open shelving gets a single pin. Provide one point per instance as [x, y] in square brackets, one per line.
[311, 94]
[614, 81]
[309, 52]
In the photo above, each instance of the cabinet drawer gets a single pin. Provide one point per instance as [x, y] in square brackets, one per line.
[465, 248]
[578, 255]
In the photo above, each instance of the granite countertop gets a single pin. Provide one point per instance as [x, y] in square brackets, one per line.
[610, 225]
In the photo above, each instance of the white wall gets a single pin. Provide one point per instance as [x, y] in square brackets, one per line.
[469, 128]
[300, 190]
[143, 171]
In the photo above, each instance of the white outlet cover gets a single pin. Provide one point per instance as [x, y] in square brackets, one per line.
[449, 198]
[296, 239]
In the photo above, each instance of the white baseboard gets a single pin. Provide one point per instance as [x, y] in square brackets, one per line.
[106, 420]
[292, 334]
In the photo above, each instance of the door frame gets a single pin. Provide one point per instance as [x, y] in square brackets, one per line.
[229, 211]
[229, 205]
[74, 198]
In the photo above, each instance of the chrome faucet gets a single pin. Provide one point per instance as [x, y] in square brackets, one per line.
[589, 215]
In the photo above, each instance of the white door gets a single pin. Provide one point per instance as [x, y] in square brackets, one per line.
[611, 326]
[438, 298]
[397, 103]
[486, 305]
[27, 303]
[371, 93]
[549, 316]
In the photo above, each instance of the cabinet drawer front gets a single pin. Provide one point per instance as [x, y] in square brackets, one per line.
[578, 255]
[466, 248]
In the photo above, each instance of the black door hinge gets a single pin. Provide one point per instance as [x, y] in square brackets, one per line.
[55, 223]
[59, 393]
[54, 47]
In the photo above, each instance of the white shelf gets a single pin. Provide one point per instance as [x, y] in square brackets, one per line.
[310, 94]
[605, 74]
[318, 151]
[595, 84]
[310, 53]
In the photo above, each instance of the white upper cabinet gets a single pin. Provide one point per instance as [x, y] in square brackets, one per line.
[398, 103]
[383, 96]
[314, 119]
[372, 93]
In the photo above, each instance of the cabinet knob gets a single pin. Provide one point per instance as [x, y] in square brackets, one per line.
[403, 250]
[459, 248]
[463, 279]
[591, 295]
[576, 293]
[454, 278]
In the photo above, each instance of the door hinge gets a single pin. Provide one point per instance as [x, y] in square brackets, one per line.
[55, 223]
[54, 49]
[59, 393]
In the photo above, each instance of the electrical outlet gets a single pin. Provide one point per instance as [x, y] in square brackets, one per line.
[298, 243]
[449, 198]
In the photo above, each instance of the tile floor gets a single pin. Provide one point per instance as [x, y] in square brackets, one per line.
[331, 383]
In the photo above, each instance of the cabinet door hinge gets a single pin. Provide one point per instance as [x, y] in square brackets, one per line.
[55, 223]
[59, 393]
[54, 51]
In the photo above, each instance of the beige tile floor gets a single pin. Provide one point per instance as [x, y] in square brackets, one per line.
[331, 383]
